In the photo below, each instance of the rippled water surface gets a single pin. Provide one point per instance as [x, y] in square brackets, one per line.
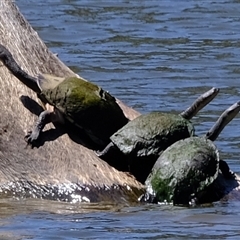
[153, 55]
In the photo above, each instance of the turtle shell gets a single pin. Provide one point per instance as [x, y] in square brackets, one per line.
[152, 133]
[86, 105]
[184, 171]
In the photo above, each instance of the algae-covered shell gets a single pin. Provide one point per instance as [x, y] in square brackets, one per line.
[184, 170]
[139, 143]
[86, 105]
[152, 133]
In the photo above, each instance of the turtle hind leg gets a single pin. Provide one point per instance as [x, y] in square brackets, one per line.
[226, 172]
[109, 148]
[33, 136]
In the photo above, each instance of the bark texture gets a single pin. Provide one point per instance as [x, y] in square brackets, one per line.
[61, 162]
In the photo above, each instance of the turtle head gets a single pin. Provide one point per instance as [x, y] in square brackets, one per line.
[200, 103]
[5, 55]
[8, 60]
[222, 121]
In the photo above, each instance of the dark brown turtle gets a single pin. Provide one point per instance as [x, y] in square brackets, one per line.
[144, 138]
[185, 171]
[84, 104]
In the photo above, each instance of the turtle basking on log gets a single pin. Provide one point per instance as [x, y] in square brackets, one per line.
[80, 102]
[142, 140]
[185, 172]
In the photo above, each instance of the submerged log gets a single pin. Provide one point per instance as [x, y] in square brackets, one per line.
[62, 168]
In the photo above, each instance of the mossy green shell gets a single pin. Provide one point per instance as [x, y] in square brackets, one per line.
[152, 133]
[184, 170]
[87, 106]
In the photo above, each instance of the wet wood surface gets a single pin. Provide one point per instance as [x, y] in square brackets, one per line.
[61, 159]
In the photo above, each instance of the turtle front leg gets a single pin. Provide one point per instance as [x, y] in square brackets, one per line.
[106, 150]
[44, 118]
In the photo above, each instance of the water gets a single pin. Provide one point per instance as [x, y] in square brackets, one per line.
[37, 219]
[153, 55]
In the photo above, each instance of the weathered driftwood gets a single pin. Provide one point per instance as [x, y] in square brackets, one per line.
[60, 164]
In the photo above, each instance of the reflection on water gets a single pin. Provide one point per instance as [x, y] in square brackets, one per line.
[154, 55]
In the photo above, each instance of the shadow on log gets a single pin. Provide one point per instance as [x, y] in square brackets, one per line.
[61, 169]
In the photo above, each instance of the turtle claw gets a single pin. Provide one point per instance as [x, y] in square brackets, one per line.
[98, 153]
[31, 138]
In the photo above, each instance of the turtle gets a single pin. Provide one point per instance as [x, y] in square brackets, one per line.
[82, 103]
[148, 135]
[185, 172]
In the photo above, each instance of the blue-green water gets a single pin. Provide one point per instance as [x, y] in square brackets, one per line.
[153, 55]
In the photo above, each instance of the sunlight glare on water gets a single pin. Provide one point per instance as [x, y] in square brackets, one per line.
[153, 55]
